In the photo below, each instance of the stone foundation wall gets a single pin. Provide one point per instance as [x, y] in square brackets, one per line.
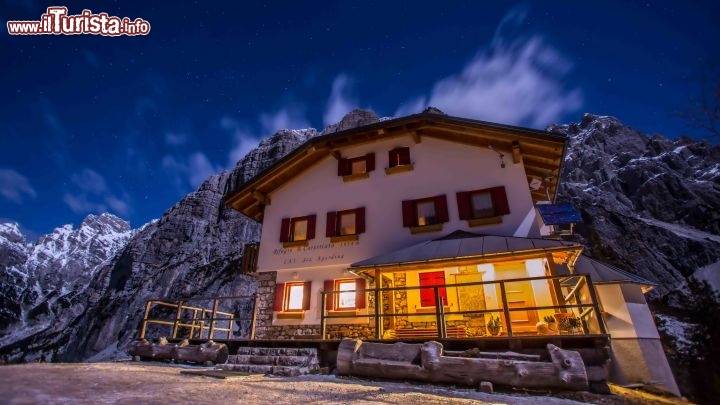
[264, 329]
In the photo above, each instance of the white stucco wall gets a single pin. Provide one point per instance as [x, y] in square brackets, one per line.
[440, 167]
[627, 318]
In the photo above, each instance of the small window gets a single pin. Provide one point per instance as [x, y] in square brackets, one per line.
[483, 206]
[346, 297]
[297, 230]
[425, 214]
[356, 168]
[295, 297]
[345, 294]
[292, 297]
[345, 223]
[399, 160]
[399, 157]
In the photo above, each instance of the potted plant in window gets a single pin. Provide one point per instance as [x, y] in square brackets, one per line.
[551, 322]
[494, 325]
[570, 325]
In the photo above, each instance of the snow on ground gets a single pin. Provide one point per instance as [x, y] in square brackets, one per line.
[684, 231]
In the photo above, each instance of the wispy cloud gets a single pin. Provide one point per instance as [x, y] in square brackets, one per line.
[514, 81]
[200, 168]
[243, 140]
[90, 193]
[175, 139]
[341, 100]
[192, 170]
[15, 187]
[288, 117]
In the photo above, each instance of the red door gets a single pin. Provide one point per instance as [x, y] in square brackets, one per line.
[427, 295]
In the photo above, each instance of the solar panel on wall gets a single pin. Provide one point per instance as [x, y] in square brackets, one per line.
[558, 214]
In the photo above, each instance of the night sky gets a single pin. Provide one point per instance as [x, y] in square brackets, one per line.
[129, 125]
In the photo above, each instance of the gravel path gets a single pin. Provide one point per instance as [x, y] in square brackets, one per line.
[154, 383]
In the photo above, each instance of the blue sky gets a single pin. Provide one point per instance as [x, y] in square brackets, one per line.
[131, 124]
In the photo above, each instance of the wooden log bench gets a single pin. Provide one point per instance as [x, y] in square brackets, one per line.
[426, 362]
[208, 352]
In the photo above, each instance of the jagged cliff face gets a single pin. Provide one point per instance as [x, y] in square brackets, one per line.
[650, 205]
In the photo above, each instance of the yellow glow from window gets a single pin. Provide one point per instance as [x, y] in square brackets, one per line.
[347, 224]
[300, 230]
[295, 297]
[426, 213]
[346, 297]
[358, 167]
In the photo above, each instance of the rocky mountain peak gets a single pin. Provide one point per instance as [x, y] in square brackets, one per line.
[651, 205]
[105, 223]
[10, 232]
[355, 118]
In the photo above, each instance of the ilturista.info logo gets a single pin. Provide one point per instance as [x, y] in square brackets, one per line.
[57, 21]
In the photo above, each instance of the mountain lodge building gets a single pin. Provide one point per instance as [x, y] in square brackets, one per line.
[430, 227]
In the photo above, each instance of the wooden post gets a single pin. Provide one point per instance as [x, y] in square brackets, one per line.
[323, 325]
[506, 310]
[143, 328]
[178, 314]
[598, 313]
[378, 322]
[439, 313]
[378, 299]
[212, 319]
[253, 321]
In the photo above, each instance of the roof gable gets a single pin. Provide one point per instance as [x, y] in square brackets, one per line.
[542, 152]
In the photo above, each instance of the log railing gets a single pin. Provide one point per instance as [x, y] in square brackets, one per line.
[207, 318]
[574, 297]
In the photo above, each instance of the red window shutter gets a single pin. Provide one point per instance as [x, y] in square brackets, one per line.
[343, 167]
[360, 220]
[464, 207]
[331, 224]
[279, 297]
[312, 219]
[441, 209]
[360, 293]
[369, 162]
[404, 155]
[328, 286]
[499, 200]
[408, 212]
[307, 291]
[285, 230]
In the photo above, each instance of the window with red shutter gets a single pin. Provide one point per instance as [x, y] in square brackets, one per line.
[484, 206]
[345, 223]
[292, 297]
[399, 160]
[346, 294]
[425, 214]
[297, 231]
[427, 295]
[357, 167]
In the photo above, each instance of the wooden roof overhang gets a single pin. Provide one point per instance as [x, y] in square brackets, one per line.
[542, 153]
